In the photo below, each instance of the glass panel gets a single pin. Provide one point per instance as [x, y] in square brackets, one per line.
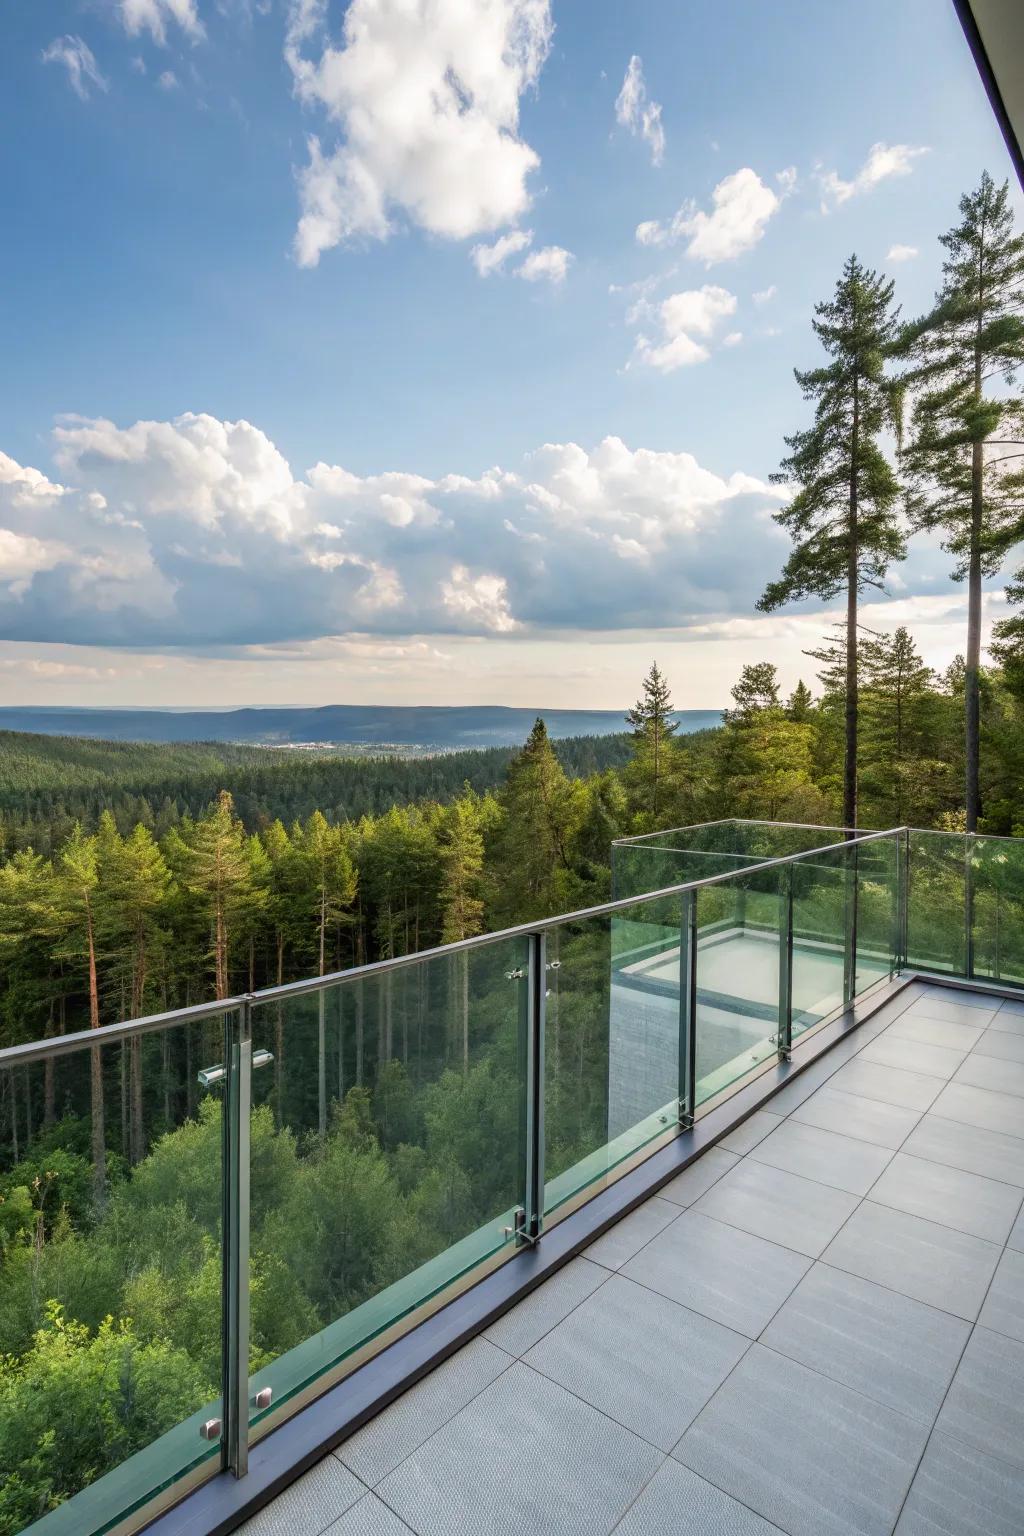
[936, 892]
[821, 896]
[110, 1278]
[738, 952]
[998, 926]
[612, 1041]
[877, 911]
[661, 859]
[387, 1152]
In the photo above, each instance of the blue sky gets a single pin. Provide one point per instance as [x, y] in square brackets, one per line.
[275, 415]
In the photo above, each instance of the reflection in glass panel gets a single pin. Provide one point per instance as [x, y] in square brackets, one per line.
[997, 869]
[110, 1276]
[877, 910]
[822, 893]
[936, 897]
[387, 1151]
[612, 1041]
[738, 952]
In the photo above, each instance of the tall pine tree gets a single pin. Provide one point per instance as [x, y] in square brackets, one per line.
[968, 425]
[653, 730]
[842, 518]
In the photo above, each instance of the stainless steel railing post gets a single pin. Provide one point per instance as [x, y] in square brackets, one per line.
[785, 1035]
[688, 1009]
[235, 1238]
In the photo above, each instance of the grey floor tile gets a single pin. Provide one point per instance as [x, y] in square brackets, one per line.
[312, 1503]
[994, 1073]
[368, 1518]
[824, 1156]
[810, 1455]
[689, 1185]
[676, 1500]
[959, 1492]
[886, 1125]
[533, 1317]
[1003, 1311]
[376, 1449]
[912, 1056]
[933, 1264]
[895, 1350]
[952, 1197]
[981, 1107]
[753, 1130]
[990, 1153]
[523, 1456]
[952, 1010]
[1012, 1005]
[810, 1080]
[614, 1247]
[1016, 1237]
[726, 1274]
[868, 1080]
[645, 1361]
[1009, 1020]
[985, 1404]
[779, 1206]
[984, 1002]
[959, 1036]
[996, 1042]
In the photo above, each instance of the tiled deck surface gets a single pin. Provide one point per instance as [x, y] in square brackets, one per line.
[817, 1329]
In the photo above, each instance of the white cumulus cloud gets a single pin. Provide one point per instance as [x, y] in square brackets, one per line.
[636, 112]
[153, 16]
[492, 258]
[548, 265]
[901, 253]
[424, 95]
[883, 161]
[687, 323]
[77, 58]
[742, 205]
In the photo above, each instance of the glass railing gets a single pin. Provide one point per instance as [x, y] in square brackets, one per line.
[208, 1218]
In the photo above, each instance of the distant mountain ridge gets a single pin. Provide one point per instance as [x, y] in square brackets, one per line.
[364, 725]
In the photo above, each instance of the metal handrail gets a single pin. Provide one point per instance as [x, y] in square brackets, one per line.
[111, 1034]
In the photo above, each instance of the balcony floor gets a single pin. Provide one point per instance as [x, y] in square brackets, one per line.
[817, 1328]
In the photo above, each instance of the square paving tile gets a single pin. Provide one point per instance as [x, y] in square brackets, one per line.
[523, 1456]
[368, 1518]
[677, 1500]
[960, 1492]
[694, 1181]
[985, 1404]
[753, 1130]
[934, 1264]
[869, 1080]
[782, 1207]
[538, 1313]
[990, 1153]
[1016, 1237]
[1003, 1311]
[312, 1503]
[913, 1056]
[810, 1455]
[994, 1073]
[614, 1247]
[726, 1274]
[997, 1042]
[921, 1026]
[982, 1107]
[645, 1361]
[984, 1207]
[952, 1010]
[1009, 1020]
[821, 1155]
[376, 1449]
[895, 1350]
[809, 1081]
[982, 1001]
[885, 1125]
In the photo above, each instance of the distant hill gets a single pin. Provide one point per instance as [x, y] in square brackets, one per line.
[357, 725]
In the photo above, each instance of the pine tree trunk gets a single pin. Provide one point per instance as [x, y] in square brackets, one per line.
[99, 1144]
[972, 688]
[279, 1042]
[137, 1137]
[465, 1012]
[852, 574]
[321, 1036]
[48, 1085]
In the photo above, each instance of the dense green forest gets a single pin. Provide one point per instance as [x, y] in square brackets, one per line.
[386, 1128]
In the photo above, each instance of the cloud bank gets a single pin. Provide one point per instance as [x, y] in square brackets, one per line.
[195, 533]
